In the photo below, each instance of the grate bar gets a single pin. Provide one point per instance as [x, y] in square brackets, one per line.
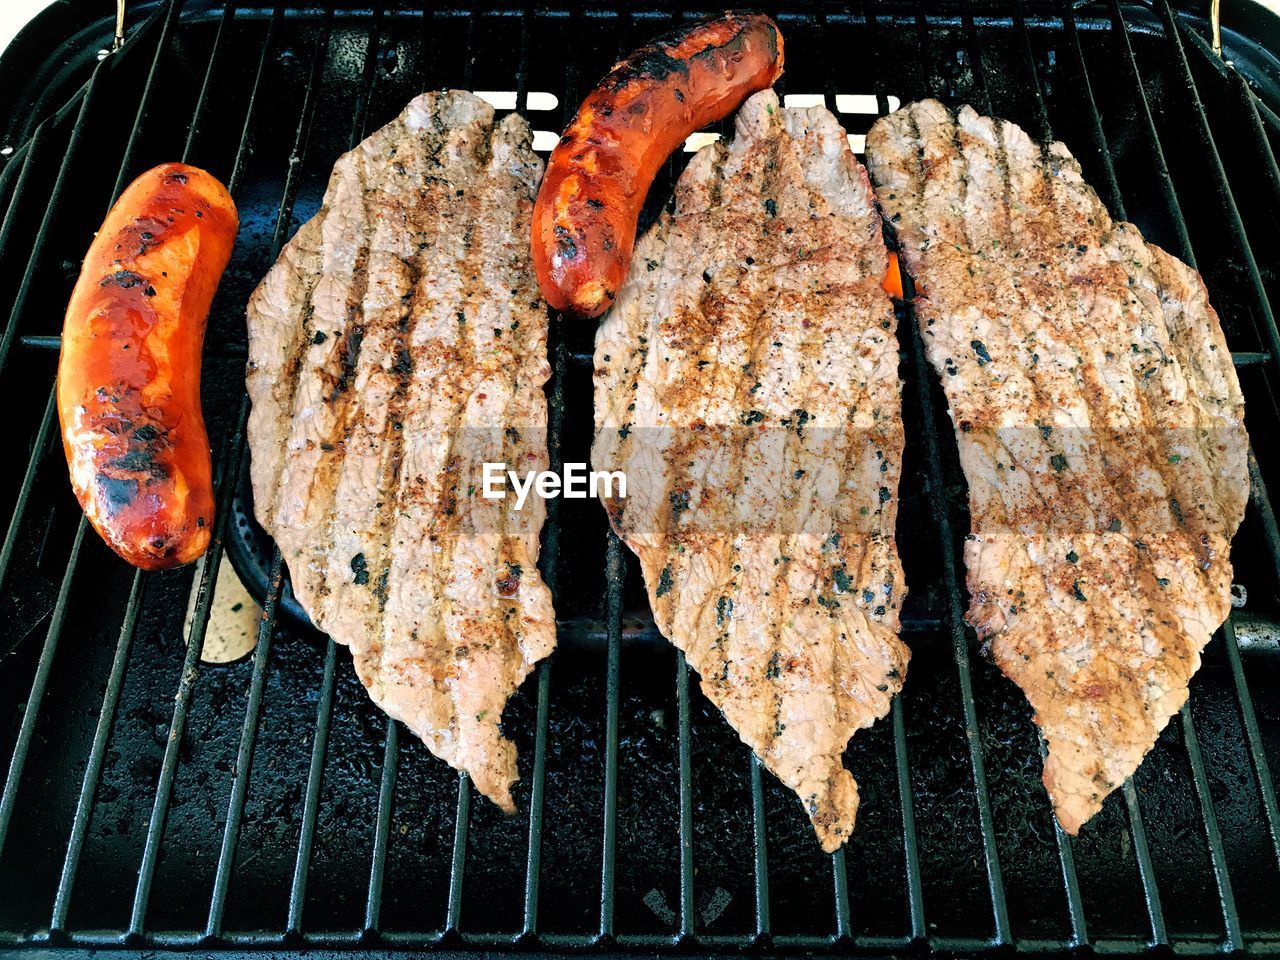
[615, 574]
[6, 342]
[1258, 487]
[73, 147]
[938, 498]
[382, 830]
[829, 85]
[425, 47]
[1253, 737]
[522, 62]
[550, 563]
[324, 708]
[1146, 867]
[1115, 202]
[38, 451]
[1120, 31]
[1066, 858]
[110, 700]
[171, 12]
[215, 54]
[391, 750]
[311, 801]
[1225, 68]
[1070, 883]
[877, 64]
[959, 642]
[924, 48]
[978, 62]
[23, 744]
[243, 150]
[1075, 902]
[53, 205]
[1213, 837]
[1043, 127]
[1250, 102]
[459, 859]
[26, 732]
[207, 568]
[244, 756]
[71, 104]
[173, 743]
[97, 755]
[1262, 502]
[840, 890]
[995, 881]
[332, 941]
[537, 803]
[760, 848]
[1230, 916]
[468, 62]
[910, 840]
[1210, 150]
[688, 921]
[30, 162]
[1250, 358]
[364, 93]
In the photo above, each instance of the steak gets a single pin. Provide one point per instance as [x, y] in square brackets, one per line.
[1100, 428]
[746, 382]
[398, 343]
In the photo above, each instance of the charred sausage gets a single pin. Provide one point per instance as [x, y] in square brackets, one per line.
[129, 373]
[584, 221]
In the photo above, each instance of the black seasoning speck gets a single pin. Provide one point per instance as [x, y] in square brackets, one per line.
[360, 569]
[664, 582]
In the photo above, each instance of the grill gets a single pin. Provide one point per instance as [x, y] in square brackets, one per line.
[153, 801]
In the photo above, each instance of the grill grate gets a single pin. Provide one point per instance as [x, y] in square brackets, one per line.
[129, 823]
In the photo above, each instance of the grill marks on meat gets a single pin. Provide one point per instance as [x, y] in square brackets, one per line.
[1100, 427]
[747, 382]
[397, 345]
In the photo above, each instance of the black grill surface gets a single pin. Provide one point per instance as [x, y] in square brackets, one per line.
[152, 801]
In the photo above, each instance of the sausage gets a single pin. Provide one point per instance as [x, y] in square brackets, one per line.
[129, 373]
[584, 220]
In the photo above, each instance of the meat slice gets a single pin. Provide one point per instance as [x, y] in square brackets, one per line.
[1100, 428]
[746, 382]
[398, 343]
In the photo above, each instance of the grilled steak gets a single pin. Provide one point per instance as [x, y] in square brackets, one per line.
[398, 343]
[746, 381]
[1100, 428]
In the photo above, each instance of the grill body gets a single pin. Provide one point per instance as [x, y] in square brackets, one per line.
[153, 802]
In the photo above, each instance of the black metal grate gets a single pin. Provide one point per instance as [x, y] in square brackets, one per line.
[268, 804]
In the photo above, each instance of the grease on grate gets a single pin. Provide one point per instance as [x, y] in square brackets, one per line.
[233, 618]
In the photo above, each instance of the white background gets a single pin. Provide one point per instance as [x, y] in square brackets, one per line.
[15, 13]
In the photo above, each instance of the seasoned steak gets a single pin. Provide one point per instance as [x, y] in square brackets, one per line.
[1100, 428]
[746, 381]
[397, 344]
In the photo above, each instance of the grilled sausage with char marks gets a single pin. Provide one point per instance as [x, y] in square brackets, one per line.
[129, 374]
[584, 223]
